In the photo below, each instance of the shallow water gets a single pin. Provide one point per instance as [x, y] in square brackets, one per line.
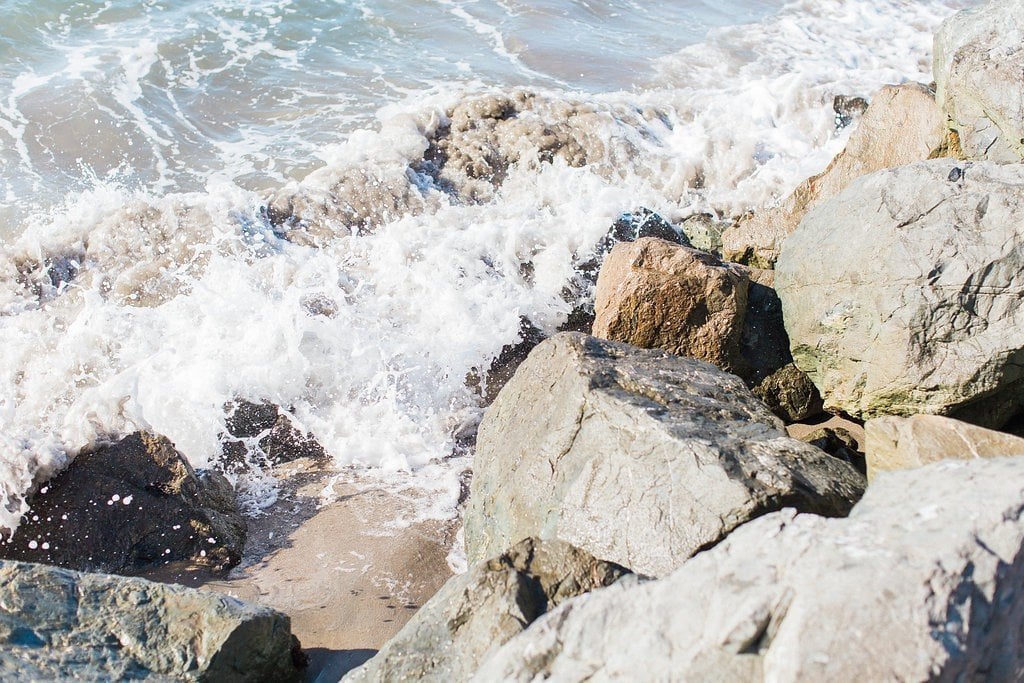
[144, 284]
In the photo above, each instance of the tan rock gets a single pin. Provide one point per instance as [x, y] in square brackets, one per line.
[655, 294]
[902, 125]
[898, 443]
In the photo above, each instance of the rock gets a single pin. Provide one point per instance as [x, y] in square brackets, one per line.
[839, 443]
[57, 624]
[127, 506]
[790, 394]
[704, 231]
[271, 430]
[902, 125]
[638, 457]
[977, 63]
[899, 443]
[921, 582]
[628, 228]
[654, 294]
[476, 613]
[901, 295]
[848, 108]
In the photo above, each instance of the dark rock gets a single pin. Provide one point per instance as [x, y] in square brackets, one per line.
[790, 394]
[838, 443]
[274, 432]
[848, 108]
[764, 344]
[128, 506]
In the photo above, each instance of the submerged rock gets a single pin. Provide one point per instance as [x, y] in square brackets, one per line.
[271, 429]
[902, 294]
[897, 443]
[57, 624]
[127, 506]
[921, 582]
[476, 613]
[636, 456]
[654, 294]
[977, 63]
[902, 125]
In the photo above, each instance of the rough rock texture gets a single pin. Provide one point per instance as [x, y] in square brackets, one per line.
[271, 430]
[476, 613]
[899, 443]
[908, 588]
[902, 294]
[790, 394]
[704, 231]
[128, 506]
[654, 294]
[977, 64]
[57, 624]
[636, 456]
[629, 227]
[902, 125]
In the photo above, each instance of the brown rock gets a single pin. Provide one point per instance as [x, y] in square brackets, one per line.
[654, 294]
[899, 443]
[790, 394]
[902, 125]
[839, 443]
[127, 506]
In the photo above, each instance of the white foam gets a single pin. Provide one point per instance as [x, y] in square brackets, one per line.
[185, 302]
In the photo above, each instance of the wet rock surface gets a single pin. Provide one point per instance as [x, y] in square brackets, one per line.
[128, 506]
[57, 624]
[636, 456]
[271, 430]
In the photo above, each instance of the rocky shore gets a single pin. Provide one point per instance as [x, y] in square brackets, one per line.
[783, 447]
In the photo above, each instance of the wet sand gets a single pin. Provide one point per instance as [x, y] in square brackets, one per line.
[347, 575]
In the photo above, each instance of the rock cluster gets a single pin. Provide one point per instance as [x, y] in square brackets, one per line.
[717, 547]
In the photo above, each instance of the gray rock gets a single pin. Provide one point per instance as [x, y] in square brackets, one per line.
[57, 624]
[476, 613]
[921, 582]
[896, 443]
[129, 506]
[977, 63]
[902, 125]
[704, 231]
[636, 456]
[901, 295]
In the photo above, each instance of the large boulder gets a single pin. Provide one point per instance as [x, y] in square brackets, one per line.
[977, 64]
[637, 456]
[922, 582]
[898, 443]
[902, 294]
[902, 125]
[476, 613]
[128, 506]
[655, 294]
[57, 624]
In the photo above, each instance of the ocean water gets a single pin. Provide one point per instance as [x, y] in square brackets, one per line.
[346, 208]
